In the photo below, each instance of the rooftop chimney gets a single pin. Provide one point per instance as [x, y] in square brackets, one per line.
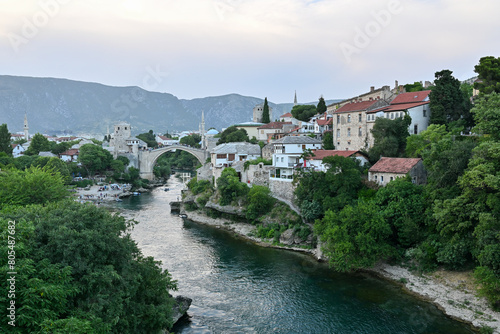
[372, 88]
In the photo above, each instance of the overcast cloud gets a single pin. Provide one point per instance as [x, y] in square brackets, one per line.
[199, 48]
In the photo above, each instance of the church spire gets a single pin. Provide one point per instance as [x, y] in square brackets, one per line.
[26, 128]
[295, 99]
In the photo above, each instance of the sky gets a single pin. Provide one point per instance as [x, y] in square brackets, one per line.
[262, 48]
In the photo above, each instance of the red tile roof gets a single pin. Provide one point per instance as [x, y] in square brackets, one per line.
[71, 151]
[320, 154]
[411, 97]
[356, 106]
[398, 107]
[324, 121]
[286, 115]
[274, 125]
[394, 165]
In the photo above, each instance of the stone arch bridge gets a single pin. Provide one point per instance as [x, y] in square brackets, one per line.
[147, 159]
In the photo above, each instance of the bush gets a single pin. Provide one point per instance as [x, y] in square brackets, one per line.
[259, 202]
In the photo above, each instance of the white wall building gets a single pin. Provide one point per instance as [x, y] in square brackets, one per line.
[287, 152]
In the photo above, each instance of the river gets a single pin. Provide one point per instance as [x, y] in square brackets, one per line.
[238, 287]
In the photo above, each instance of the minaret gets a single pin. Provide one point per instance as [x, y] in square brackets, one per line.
[202, 129]
[295, 99]
[26, 128]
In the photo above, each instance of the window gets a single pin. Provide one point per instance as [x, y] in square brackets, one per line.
[221, 156]
[338, 119]
[391, 178]
[415, 129]
[360, 132]
[348, 132]
[231, 157]
[392, 115]
[425, 112]
[375, 177]
[382, 178]
[338, 133]
[360, 117]
[261, 132]
[349, 118]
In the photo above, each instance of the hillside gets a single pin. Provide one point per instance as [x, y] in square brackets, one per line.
[58, 106]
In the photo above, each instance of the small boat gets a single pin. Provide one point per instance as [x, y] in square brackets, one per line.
[136, 194]
[166, 189]
[183, 215]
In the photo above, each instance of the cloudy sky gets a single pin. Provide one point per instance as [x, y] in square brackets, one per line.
[261, 48]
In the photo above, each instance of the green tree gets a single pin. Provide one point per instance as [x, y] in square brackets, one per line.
[356, 237]
[260, 202]
[54, 164]
[38, 144]
[94, 158]
[486, 113]
[389, 137]
[33, 186]
[149, 138]
[334, 189]
[232, 135]
[488, 71]
[5, 145]
[229, 186]
[328, 140]
[321, 107]
[448, 102]
[191, 140]
[414, 87]
[265, 113]
[86, 273]
[403, 206]
[303, 112]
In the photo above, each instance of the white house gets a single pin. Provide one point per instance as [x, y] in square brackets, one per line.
[70, 155]
[17, 150]
[224, 155]
[287, 155]
[165, 141]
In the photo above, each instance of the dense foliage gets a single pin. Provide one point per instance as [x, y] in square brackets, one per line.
[303, 112]
[389, 137]
[448, 102]
[451, 222]
[149, 138]
[328, 140]
[78, 270]
[5, 145]
[233, 135]
[488, 71]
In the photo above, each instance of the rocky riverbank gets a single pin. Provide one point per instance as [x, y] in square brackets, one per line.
[452, 292]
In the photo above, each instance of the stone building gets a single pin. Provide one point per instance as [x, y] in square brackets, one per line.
[388, 169]
[351, 128]
[257, 113]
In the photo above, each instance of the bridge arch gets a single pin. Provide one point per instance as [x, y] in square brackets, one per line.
[147, 159]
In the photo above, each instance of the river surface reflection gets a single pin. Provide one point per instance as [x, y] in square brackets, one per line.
[238, 287]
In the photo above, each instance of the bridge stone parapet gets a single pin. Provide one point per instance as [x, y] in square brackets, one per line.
[147, 159]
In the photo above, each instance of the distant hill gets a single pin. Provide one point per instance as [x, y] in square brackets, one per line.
[58, 106]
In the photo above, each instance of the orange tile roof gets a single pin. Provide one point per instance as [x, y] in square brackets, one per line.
[356, 106]
[411, 97]
[274, 125]
[71, 151]
[324, 121]
[286, 115]
[394, 165]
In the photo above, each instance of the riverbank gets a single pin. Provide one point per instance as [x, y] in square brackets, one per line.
[451, 292]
